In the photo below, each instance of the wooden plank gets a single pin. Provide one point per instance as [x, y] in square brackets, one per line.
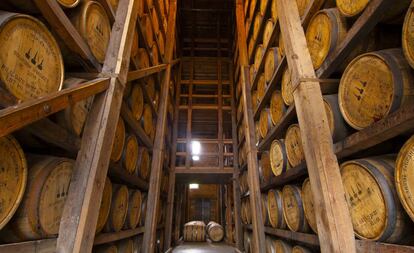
[141, 73]
[18, 116]
[286, 177]
[378, 247]
[61, 24]
[253, 171]
[149, 240]
[80, 214]
[333, 219]
[39, 246]
[116, 236]
[135, 126]
[204, 170]
[204, 82]
[120, 175]
[309, 239]
[372, 14]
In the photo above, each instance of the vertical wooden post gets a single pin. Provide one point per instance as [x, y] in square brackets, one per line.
[171, 187]
[252, 162]
[80, 215]
[333, 220]
[236, 185]
[159, 144]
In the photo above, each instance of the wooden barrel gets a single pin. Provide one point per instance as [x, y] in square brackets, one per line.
[404, 180]
[155, 20]
[136, 101]
[265, 217]
[247, 25]
[300, 249]
[40, 211]
[293, 144]
[146, 23]
[255, 100]
[141, 8]
[287, 89]
[408, 36]
[119, 208]
[93, 24]
[144, 163]
[308, 206]
[257, 132]
[273, 10]
[134, 209]
[281, 46]
[278, 157]
[150, 87]
[119, 141]
[130, 154]
[265, 122]
[336, 122]
[143, 58]
[258, 56]
[250, 46]
[373, 203]
[73, 118]
[215, 231]
[13, 176]
[268, 30]
[248, 212]
[272, 61]
[154, 54]
[31, 60]
[256, 25]
[374, 85]
[293, 209]
[143, 209]
[135, 44]
[265, 168]
[30, 7]
[147, 119]
[252, 7]
[105, 206]
[247, 241]
[311, 7]
[282, 247]
[194, 231]
[114, 4]
[275, 209]
[270, 245]
[126, 246]
[252, 72]
[106, 249]
[161, 42]
[261, 87]
[277, 107]
[354, 8]
[325, 32]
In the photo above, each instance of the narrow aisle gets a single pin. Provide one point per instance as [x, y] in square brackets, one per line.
[203, 247]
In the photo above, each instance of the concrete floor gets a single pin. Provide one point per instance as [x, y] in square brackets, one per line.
[203, 247]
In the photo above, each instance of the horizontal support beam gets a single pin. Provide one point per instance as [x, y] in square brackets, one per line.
[141, 73]
[116, 236]
[41, 246]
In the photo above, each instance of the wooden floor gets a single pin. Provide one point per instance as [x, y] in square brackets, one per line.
[203, 247]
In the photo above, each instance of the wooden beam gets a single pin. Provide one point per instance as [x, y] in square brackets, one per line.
[15, 117]
[80, 215]
[253, 170]
[39, 246]
[333, 219]
[116, 236]
[141, 73]
[159, 145]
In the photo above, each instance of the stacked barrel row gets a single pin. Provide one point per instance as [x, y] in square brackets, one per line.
[123, 246]
[195, 231]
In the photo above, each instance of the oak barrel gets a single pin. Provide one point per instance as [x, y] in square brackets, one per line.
[215, 231]
[149, 35]
[308, 206]
[272, 61]
[256, 25]
[126, 246]
[105, 206]
[194, 231]
[374, 85]
[277, 107]
[275, 209]
[150, 87]
[281, 46]
[265, 168]
[293, 209]
[267, 33]
[287, 89]
[130, 154]
[408, 35]
[278, 157]
[30, 6]
[40, 211]
[13, 176]
[143, 209]
[270, 245]
[255, 100]
[293, 144]
[119, 208]
[32, 64]
[108, 248]
[147, 119]
[265, 217]
[93, 24]
[325, 32]
[143, 58]
[114, 4]
[373, 203]
[258, 56]
[73, 118]
[119, 141]
[144, 163]
[261, 87]
[155, 20]
[404, 176]
[353, 8]
[161, 42]
[300, 249]
[154, 54]
[250, 46]
[134, 209]
[140, 8]
[282, 247]
[336, 122]
[265, 122]
[136, 101]
[273, 10]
